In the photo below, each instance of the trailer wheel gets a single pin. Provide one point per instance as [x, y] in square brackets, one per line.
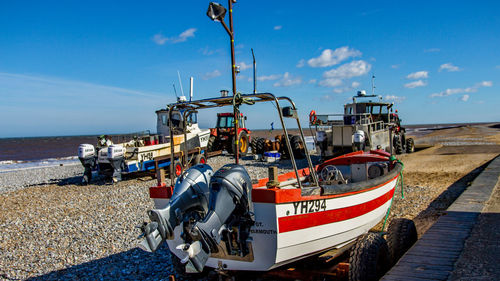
[410, 145]
[177, 168]
[398, 146]
[199, 159]
[369, 258]
[401, 235]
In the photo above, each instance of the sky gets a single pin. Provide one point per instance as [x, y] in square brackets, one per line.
[94, 67]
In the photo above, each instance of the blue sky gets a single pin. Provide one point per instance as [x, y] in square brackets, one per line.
[72, 67]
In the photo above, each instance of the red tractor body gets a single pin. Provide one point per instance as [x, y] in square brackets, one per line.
[223, 136]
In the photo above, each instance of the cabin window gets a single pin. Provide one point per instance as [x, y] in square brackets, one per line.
[192, 118]
[164, 119]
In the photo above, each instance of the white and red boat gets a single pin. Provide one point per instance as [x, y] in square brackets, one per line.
[226, 220]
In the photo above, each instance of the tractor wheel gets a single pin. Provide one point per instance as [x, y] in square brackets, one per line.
[261, 142]
[401, 235]
[398, 146]
[369, 258]
[410, 145]
[212, 143]
[199, 159]
[297, 147]
[242, 143]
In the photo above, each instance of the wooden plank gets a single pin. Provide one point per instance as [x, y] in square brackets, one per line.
[409, 257]
[414, 266]
[427, 274]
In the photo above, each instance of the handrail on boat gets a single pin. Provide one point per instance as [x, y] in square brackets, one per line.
[191, 106]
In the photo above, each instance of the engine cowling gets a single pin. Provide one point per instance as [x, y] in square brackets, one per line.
[230, 207]
[190, 194]
[87, 156]
[116, 154]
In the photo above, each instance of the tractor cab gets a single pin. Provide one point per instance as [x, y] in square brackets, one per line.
[226, 121]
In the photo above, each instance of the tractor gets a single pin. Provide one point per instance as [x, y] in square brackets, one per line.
[223, 136]
[400, 142]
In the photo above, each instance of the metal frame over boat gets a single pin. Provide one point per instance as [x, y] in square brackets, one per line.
[295, 215]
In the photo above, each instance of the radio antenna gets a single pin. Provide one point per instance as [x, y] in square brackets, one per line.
[373, 84]
[175, 92]
[254, 73]
[179, 75]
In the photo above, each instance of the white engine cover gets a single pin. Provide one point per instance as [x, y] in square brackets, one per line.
[115, 151]
[86, 150]
[359, 137]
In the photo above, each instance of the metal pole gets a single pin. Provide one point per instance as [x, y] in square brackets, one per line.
[254, 74]
[233, 72]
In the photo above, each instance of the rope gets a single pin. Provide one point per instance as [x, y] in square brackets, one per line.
[400, 179]
[238, 100]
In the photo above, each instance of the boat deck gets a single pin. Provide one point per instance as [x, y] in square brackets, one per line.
[437, 254]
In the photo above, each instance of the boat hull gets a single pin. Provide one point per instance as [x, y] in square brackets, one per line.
[288, 231]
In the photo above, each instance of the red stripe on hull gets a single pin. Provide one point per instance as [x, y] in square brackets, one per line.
[296, 222]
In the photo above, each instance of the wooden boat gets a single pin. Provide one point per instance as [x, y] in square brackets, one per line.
[228, 221]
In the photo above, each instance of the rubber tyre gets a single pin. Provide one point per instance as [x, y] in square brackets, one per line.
[242, 139]
[410, 145]
[199, 159]
[398, 146]
[261, 143]
[243, 143]
[212, 143]
[297, 147]
[253, 145]
[177, 168]
[369, 258]
[401, 235]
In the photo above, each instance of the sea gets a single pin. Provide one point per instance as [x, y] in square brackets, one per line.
[35, 152]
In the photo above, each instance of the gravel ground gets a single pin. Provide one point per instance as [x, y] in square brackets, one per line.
[10, 181]
[55, 228]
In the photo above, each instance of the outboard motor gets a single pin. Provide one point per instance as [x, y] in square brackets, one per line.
[189, 201]
[229, 218]
[87, 155]
[359, 139]
[116, 153]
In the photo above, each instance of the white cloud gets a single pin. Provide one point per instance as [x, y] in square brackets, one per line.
[326, 98]
[449, 67]
[332, 57]
[473, 89]
[395, 66]
[160, 39]
[330, 82]
[312, 81]
[288, 80]
[394, 98]
[354, 85]
[484, 84]
[464, 98]
[301, 63]
[349, 70]
[269, 77]
[414, 84]
[432, 50]
[244, 66]
[278, 27]
[418, 75]
[210, 75]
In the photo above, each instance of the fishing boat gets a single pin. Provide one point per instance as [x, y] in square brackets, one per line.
[228, 221]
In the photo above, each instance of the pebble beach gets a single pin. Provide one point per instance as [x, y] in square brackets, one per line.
[55, 228]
